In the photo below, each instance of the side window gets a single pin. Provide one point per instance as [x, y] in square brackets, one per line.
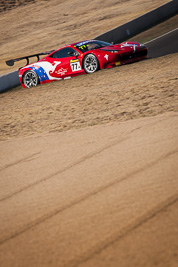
[63, 52]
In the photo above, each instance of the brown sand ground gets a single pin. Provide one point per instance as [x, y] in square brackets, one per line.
[88, 166]
[146, 88]
[100, 196]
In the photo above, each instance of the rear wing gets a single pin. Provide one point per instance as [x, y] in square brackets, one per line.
[11, 61]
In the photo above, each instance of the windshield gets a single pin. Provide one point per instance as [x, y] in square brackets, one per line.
[90, 45]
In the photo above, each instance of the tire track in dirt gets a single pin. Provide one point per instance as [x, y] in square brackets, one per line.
[28, 158]
[81, 160]
[128, 229]
[86, 196]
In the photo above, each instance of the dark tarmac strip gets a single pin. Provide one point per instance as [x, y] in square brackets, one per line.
[163, 45]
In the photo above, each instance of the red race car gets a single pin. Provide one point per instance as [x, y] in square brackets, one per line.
[78, 58]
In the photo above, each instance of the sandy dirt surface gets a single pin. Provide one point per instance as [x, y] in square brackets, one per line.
[6, 5]
[100, 196]
[88, 166]
[141, 89]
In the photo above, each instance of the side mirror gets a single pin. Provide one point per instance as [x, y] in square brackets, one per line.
[75, 54]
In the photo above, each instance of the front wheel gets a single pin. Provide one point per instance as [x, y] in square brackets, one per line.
[90, 63]
[30, 79]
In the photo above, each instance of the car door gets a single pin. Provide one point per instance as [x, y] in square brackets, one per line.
[64, 63]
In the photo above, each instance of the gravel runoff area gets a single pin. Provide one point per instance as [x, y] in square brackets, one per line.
[88, 166]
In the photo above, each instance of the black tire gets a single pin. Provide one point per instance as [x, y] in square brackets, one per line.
[30, 79]
[90, 63]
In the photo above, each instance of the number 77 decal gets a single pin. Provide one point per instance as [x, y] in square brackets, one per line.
[75, 65]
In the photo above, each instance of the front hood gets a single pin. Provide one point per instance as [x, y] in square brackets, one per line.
[122, 46]
[111, 48]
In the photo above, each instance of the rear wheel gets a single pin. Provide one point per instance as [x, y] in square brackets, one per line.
[90, 63]
[30, 79]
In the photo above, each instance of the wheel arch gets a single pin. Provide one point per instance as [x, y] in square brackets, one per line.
[25, 71]
[30, 70]
[89, 52]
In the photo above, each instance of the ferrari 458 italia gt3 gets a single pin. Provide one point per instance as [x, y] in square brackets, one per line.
[76, 59]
